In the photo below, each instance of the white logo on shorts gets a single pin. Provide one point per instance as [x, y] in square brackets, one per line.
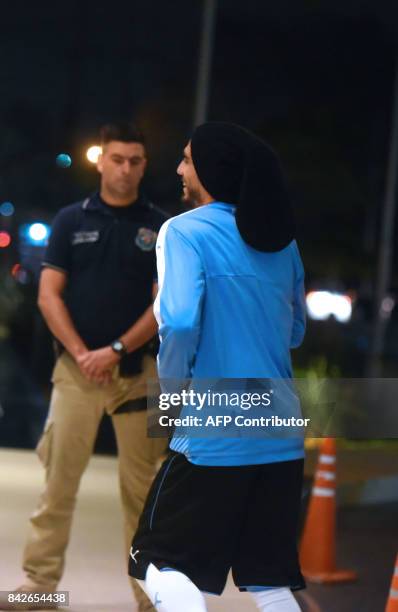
[133, 554]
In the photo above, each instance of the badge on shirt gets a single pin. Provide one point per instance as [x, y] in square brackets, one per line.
[145, 239]
[82, 237]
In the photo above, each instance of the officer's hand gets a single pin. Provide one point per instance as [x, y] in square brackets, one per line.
[97, 365]
[104, 379]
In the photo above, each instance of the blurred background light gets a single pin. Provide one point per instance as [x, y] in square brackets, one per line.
[20, 274]
[5, 240]
[35, 234]
[63, 160]
[93, 153]
[38, 232]
[15, 269]
[321, 305]
[387, 306]
[7, 209]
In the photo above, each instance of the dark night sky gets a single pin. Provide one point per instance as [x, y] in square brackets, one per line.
[313, 78]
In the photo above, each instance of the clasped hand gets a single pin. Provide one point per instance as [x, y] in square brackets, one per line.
[97, 365]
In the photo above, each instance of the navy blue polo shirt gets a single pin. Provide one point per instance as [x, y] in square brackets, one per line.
[108, 254]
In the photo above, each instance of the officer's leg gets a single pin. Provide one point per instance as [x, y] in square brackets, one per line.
[65, 448]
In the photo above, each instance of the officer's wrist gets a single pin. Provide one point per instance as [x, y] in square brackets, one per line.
[119, 348]
[78, 351]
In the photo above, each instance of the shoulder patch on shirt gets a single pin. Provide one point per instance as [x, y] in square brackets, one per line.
[82, 237]
[145, 239]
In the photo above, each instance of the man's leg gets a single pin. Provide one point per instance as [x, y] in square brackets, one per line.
[65, 448]
[172, 591]
[275, 600]
[138, 458]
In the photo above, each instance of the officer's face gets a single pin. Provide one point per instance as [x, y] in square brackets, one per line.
[193, 190]
[122, 166]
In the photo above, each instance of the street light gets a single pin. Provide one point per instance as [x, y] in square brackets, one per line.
[323, 304]
[93, 153]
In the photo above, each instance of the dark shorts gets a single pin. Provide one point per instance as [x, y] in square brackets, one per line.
[204, 520]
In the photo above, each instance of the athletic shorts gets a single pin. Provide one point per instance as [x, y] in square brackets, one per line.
[205, 520]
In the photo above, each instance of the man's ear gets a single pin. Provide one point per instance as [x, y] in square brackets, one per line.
[100, 163]
[143, 167]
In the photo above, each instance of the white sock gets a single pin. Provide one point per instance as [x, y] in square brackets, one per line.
[172, 591]
[275, 600]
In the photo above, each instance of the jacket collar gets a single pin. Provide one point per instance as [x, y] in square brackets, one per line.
[94, 203]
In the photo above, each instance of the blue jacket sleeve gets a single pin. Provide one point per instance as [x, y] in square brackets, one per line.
[299, 305]
[178, 304]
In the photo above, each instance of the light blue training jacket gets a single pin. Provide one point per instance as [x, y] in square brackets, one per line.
[226, 310]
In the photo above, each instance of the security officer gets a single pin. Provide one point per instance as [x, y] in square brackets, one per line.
[96, 291]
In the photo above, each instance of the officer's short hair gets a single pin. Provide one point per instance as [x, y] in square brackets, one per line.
[123, 131]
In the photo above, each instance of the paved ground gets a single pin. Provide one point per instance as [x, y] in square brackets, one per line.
[367, 536]
[95, 575]
[367, 543]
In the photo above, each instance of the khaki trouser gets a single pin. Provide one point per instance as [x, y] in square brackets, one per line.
[65, 447]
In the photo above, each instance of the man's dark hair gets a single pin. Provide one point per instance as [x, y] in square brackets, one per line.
[122, 131]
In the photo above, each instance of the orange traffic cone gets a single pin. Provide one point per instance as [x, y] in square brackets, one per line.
[392, 601]
[318, 544]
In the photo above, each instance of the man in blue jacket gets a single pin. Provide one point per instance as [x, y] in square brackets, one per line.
[230, 306]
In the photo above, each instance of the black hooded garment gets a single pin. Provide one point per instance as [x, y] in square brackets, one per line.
[237, 167]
